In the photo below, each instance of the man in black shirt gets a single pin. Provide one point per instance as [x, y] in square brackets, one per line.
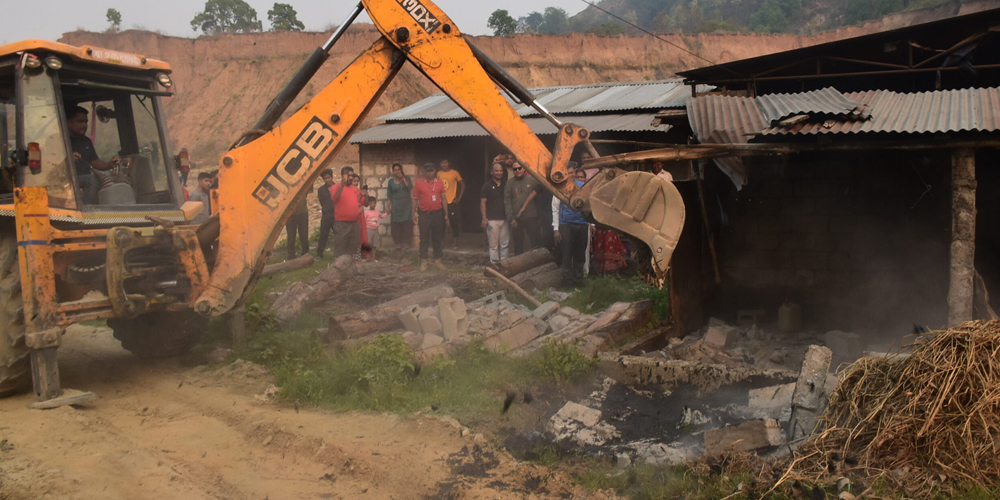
[326, 203]
[494, 213]
[84, 155]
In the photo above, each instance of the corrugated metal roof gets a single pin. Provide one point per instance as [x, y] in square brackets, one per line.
[605, 97]
[402, 131]
[726, 120]
[828, 101]
[966, 110]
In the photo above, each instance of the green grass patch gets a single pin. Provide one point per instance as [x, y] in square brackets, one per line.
[599, 292]
[644, 482]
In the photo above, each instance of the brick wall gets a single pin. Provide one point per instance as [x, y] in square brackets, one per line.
[859, 240]
[376, 170]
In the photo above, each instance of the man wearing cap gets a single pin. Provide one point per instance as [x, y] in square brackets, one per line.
[431, 211]
[346, 210]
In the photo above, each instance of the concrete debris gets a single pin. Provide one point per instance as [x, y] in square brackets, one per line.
[775, 396]
[693, 418]
[609, 316]
[721, 337]
[454, 318]
[809, 397]
[557, 296]
[756, 435]
[545, 310]
[569, 312]
[581, 425]
[558, 322]
[413, 339]
[639, 371]
[663, 454]
[408, 317]
[513, 337]
[431, 340]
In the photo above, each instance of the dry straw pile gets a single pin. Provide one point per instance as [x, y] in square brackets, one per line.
[923, 420]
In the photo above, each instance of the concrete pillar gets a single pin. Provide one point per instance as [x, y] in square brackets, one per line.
[963, 236]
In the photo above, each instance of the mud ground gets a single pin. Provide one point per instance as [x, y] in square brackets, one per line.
[161, 430]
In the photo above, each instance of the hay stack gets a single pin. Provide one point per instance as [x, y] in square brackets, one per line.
[934, 414]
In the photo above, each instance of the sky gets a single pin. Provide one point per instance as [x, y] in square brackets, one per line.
[49, 19]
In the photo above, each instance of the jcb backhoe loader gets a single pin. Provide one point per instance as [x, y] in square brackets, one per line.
[135, 259]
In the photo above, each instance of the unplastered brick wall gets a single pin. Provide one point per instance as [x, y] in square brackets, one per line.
[859, 240]
[376, 170]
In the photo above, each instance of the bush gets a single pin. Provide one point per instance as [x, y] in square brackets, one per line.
[562, 361]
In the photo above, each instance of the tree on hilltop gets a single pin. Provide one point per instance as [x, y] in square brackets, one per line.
[284, 18]
[114, 19]
[226, 16]
[502, 23]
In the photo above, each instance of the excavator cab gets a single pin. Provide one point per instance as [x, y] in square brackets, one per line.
[47, 90]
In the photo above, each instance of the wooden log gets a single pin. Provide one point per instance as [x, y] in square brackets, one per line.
[521, 263]
[303, 295]
[549, 279]
[289, 265]
[513, 286]
[385, 316]
[531, 273]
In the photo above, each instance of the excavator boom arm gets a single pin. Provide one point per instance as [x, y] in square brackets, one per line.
[262, 181]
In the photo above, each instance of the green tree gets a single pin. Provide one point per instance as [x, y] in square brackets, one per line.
[530, 23]
[555, 21]
[773, 16]
[502, 23]
[114, 18]
[284, 18]
[863, 10]
[226, 16]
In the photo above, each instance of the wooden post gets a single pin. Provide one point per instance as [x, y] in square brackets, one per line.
[963, 236]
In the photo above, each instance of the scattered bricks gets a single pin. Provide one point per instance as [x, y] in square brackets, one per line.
[454, 318]
[409, 318]
[591, 345]
[558, 322]
[491, 299]
[750, 436]
[569, 312]
[809, 397]
[773, 397]
[513, 337]
[720, 337]
[431, 341]
[609, 316]
[429, 322]
[508, 317]
[413, 339]
[580, 424]
[541, 326]
[576, 412]
[846, 347]
[545, 310]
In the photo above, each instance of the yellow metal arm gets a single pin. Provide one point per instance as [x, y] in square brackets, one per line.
[261, 183]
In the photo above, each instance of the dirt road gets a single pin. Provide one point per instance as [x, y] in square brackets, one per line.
[165, 431]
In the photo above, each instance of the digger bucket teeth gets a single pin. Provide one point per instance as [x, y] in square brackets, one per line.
[645, 206]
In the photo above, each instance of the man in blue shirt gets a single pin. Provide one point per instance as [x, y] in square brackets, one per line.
[572, 234]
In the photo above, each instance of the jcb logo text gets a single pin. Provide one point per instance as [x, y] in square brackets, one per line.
[295, 163]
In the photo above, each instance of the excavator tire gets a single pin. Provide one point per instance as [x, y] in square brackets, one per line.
[159, 334]
[15, 368]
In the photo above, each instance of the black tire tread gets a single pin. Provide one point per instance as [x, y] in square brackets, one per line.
[15, 367]
[159, 334]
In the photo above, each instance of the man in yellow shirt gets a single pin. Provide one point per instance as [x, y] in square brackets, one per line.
[454, 189]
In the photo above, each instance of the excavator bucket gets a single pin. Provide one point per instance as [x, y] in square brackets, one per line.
[645, 206]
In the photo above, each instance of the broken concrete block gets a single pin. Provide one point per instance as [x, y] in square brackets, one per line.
[721, 337]
[413, 339]
[661, 454]
[541, 326]
[545, 310]
[508, 317]
[558, 322]
[569, 312]
[745, 437]
[431, 341]
[429, 322]
[408, 317]
[773, 397]
[513, 337]
[847, 347]
[609, 316]
[454, 319]
[580, 424]
[809, 397]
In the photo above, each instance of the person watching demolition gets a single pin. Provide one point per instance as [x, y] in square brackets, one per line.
[84, 156]
[347, 209]
[454, 188]
[432, 206]
[203, 193]
[326, 204]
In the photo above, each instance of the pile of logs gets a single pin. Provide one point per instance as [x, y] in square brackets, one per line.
[533, 270]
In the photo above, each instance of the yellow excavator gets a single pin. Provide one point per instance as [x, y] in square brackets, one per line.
[131, 255]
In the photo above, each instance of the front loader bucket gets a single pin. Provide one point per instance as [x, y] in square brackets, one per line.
[645, 206]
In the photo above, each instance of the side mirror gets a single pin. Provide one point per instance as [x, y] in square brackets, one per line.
[105, 114]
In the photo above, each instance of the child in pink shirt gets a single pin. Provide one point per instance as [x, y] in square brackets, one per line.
[372, 217]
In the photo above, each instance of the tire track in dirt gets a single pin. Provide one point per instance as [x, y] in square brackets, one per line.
[163, 431]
